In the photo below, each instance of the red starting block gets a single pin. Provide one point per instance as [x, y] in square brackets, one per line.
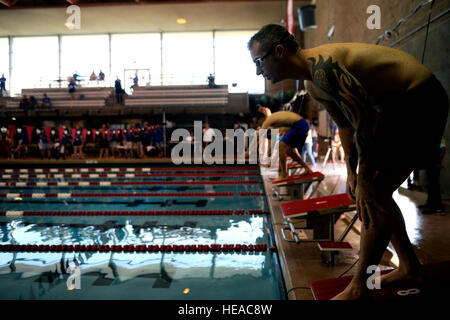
[296, 185]
[292, 168]
[337, 203]
[320, 215]
[437, 281]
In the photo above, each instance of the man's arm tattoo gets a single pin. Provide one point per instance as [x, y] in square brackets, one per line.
[348, 94]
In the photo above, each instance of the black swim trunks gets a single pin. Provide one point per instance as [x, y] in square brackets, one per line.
[410, 127]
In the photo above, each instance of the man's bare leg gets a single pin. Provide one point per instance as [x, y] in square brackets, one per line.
[286, 150]
[376, 236]
[294, 155]
[409, 269]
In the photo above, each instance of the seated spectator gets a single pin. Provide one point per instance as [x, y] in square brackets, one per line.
[33, 103]
[101, 76]
[25, 103]
[46, 102]
[211, 81]
[93, 76]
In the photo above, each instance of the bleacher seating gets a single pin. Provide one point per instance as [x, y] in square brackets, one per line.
[63, 94]
[178, 96]
[100, 101]
[86, 97]
[14, 103]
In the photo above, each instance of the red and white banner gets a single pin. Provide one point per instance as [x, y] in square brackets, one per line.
[290, 16]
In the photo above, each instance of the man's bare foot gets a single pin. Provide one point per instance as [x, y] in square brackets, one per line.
[401, 275]
[351, 294]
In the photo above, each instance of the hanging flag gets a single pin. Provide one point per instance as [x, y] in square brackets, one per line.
[29, 132]
[47, 132]
[290, 16]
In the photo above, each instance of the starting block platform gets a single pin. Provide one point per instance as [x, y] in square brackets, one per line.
[293, 168]
[296, 185]
[320, 215]
[437, 281]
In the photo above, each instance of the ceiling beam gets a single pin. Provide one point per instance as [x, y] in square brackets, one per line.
[72, 1]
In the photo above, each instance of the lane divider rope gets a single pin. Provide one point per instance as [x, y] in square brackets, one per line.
[40, 170]
[135, 213]
[137, 248]
[126, 175]
[103, 195]
[110, 183]
[251, 194]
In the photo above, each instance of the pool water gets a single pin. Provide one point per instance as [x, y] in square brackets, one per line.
[149, 275]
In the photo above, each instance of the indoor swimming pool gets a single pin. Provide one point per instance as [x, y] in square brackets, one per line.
[136, 233]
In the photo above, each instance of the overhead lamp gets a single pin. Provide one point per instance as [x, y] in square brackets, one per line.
[181, 20]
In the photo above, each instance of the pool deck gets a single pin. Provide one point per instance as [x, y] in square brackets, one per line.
[304, 263]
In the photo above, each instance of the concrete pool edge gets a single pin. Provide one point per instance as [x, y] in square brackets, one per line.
[304, 263]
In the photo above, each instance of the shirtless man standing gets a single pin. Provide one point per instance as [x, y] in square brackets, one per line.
[374, 94]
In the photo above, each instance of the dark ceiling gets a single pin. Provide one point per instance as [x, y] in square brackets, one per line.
[25, 4]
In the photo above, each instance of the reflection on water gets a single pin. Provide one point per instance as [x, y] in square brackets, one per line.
[117, 230]
[48, 270]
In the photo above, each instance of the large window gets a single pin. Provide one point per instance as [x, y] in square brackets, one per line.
[4, 59]
[187, 57]
[173, 58]
[34, 63]
[139, 53]
[84, 54]
[234, 65]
